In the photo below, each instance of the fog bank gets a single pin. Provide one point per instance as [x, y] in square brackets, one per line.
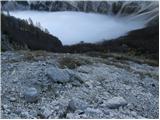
[73, 27]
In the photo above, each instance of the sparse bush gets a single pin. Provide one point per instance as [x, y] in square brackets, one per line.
[32, 55]
[142, 42]
[72, 63]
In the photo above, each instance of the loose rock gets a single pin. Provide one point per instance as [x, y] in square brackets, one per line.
[45, 112]
[137, 82]
[58, 75]
[31, 95]
[77, 104]
[94, 112]
[12, 99]
[25, 114]
[116, 102]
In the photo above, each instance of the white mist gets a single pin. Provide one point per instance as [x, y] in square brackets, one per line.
[73, 27]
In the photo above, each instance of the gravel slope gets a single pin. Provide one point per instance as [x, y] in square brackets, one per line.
[94, 85]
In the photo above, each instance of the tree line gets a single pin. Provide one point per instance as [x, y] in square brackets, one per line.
[24, 32]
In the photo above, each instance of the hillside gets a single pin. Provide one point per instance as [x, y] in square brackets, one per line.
[41, 78]
[20, 34]
[50, 85]
[142, 42]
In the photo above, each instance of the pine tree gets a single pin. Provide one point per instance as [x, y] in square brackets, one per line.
[46, 30]
[30, 21]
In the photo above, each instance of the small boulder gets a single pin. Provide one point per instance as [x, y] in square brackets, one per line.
[31, 95]
[95, 113]
[24, 114]
[12, 99]
[116, 102]
[77, 104]
[4, 106]
[58, 75]
[44, 112]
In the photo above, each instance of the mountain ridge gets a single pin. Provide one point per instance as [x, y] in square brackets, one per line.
[119, 8]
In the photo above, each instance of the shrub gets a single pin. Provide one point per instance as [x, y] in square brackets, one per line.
[72, 63]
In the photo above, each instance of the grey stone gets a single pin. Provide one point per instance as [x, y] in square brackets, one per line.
[12, 99]
[58, 75]
[25, 114]
[94, 112]
[116, 102]
[15, 81]
[77, 104]
[18, 111]
[45, 112]
[31, 95]
[8, 111]
[106, 81]
[134, 113]
[4, 106]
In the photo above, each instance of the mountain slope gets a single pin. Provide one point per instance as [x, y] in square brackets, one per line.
[140, 42]
[21, 33]
[93, 84]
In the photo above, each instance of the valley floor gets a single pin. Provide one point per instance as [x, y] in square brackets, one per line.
[90, 87]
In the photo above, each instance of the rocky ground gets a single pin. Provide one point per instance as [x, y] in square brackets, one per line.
[51, 85]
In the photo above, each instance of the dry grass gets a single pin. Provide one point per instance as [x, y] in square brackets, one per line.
[120, 56]
[72, 63]
[32, 55]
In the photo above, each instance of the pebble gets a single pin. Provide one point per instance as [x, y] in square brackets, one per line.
[8, 111]
[12, 89]
[93, 111]
[18, 111]
[45, 112]
[24, 114]
[134, 113]
[4, 106]
[15, 81]
[12, 99]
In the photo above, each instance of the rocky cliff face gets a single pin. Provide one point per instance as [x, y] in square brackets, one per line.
[14, 5]
[148, 9]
